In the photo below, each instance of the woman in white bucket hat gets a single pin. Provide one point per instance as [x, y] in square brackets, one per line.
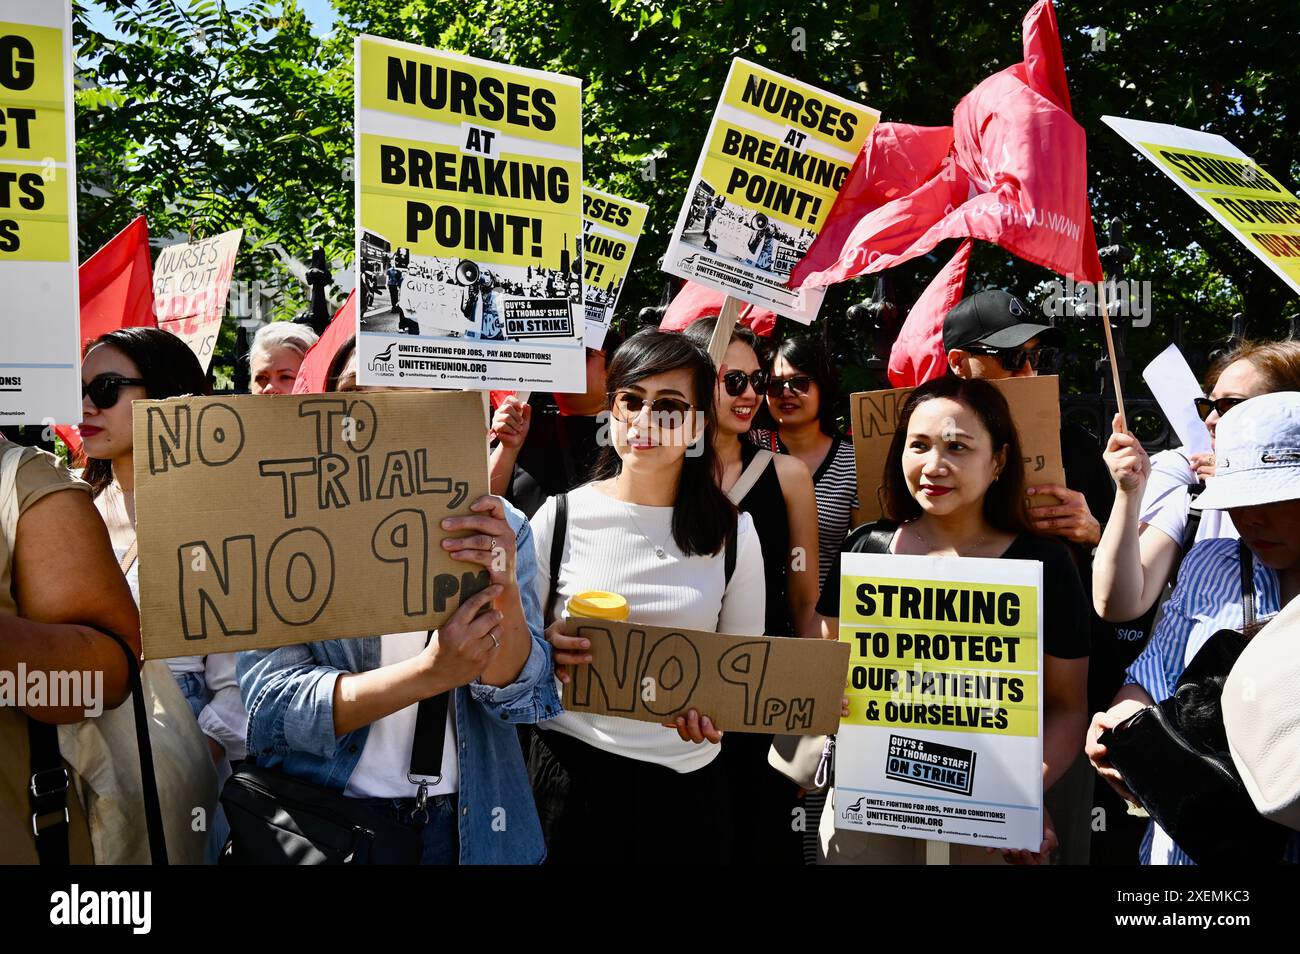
[1258, 482]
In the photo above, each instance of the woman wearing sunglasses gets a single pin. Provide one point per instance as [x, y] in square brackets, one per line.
[1132, 564]
[801, 391]
[135, 364]
[654, 527]
[779, 496]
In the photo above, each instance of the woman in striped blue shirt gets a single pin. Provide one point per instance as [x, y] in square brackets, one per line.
[1258, 483]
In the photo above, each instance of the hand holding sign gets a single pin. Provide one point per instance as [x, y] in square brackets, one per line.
[1070, 519]
[463, 647]
[493, 546]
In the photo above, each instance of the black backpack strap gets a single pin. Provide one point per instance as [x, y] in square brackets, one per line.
[729, 556]
[1189, 532]
[877, 536]
[47, 793]
[152, 806]
[1247, 586]
[557, 549]
[49, 788]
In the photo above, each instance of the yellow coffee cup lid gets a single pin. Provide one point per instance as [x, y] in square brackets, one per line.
[598, 604]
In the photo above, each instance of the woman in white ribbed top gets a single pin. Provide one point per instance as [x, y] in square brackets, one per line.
[651, 527]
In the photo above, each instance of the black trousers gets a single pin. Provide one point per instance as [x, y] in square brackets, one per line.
[598, 808]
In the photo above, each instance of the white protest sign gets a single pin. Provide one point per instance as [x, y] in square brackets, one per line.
[40, 322]
[190, 285]
[943, 740]
[1176, 389]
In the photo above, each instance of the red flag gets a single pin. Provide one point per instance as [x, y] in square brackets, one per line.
[117, 284]
[695, 301]
[1015, 175]
[918, 354]
[316, 363]
[116, 292]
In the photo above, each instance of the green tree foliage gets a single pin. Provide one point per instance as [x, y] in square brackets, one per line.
[252, 124]
[210, 116]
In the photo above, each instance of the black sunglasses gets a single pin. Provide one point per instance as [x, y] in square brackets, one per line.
[735, 381]
[105, 389]
[665, 412]
[1204, 406]
[1013, 359]
[797, 383]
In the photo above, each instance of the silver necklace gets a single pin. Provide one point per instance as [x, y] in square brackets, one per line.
[659, 550]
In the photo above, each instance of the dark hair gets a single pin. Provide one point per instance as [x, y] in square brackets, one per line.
[1004, 505]
[701, 332]
[339, 362]
[702, 514]
[808, 355]
[169, 369]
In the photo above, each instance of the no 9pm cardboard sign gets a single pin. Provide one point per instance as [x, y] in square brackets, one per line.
[743, 683]
[265, 521]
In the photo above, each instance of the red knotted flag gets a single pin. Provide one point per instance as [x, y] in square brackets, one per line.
[694, 302]
[1011, 170]
[918, 354]
[316, 363]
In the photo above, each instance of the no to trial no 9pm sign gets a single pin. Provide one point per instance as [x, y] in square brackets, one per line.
[267, 521]
[944, 735]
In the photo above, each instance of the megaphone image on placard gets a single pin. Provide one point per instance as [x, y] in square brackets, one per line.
[467, 272]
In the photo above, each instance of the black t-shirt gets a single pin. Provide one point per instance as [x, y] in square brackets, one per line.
[1065, 609]
[558, 455]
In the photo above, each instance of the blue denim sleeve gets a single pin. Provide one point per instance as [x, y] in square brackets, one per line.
[290, 701]
[532, 696]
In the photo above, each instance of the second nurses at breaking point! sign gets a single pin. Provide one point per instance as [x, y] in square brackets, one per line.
[469, 222]
[777, 153]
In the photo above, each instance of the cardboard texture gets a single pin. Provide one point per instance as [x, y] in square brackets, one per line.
[743, 683]
[1035, 408]
[267, 521]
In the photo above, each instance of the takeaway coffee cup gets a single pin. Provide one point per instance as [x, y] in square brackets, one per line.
[597, 604]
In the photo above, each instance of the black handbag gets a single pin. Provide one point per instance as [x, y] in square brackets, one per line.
[276, 819]
[1174, 758]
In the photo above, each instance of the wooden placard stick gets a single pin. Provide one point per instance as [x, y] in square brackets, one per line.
[722, 331]
[1110, 353]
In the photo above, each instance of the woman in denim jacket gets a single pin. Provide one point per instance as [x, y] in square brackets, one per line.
[341, 713]
[313, 708]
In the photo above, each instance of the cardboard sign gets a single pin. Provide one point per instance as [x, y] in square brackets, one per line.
[943, 740]
[611, 229]
[778, 151]
[1035, 410]
[265, 521]
[1240, 195]
[190, 285]
[40, 360]
[743, 683]
[469, 222]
